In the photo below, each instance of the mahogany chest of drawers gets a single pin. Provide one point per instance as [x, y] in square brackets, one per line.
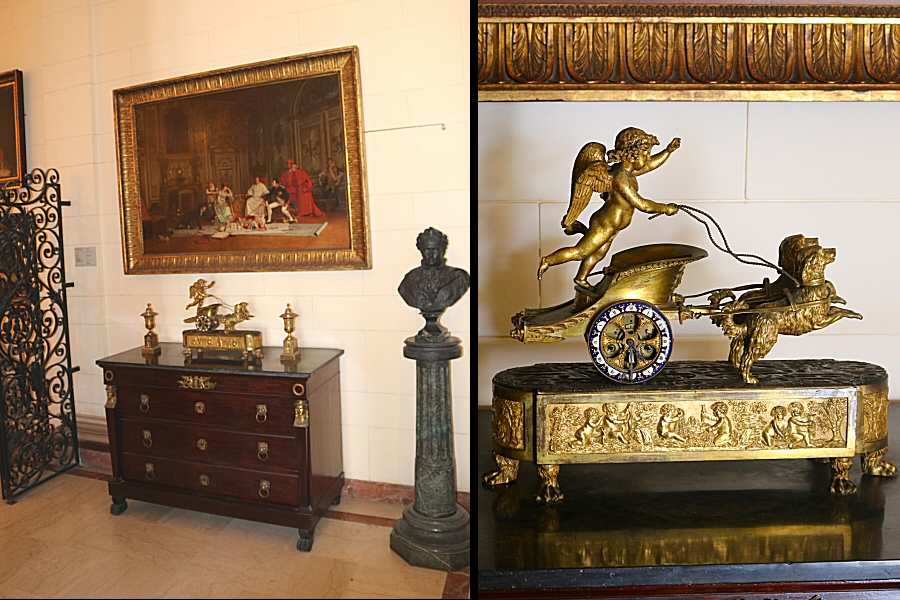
[257, 441]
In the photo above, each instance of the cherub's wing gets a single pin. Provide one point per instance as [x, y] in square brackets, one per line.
[590, 152]
[593, 178]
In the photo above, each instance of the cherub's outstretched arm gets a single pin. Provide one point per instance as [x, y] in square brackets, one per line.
[657, 160]
[645, 205]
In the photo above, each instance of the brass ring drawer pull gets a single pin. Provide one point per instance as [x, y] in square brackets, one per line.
[264, 487]
[147, 441]
[204, 480]
[263, 452]
[149, 467]
[261, 412]
[199, 407]
[145, 403]
[201, 443]
[299, 389]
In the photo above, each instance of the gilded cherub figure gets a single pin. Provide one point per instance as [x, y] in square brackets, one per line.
[670, 417]
[619, 187]
[720, 424]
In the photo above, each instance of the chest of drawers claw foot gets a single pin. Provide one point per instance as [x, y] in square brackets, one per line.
[260, 442]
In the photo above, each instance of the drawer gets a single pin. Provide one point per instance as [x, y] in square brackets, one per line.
[210, 409]
[214, 480]
[205, 381]
[195, 444]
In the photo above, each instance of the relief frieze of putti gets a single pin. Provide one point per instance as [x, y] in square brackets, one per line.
[610, 427]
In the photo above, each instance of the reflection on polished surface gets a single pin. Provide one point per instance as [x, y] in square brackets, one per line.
[647, 514]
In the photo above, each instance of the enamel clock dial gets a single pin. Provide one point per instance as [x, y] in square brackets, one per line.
[630, 341]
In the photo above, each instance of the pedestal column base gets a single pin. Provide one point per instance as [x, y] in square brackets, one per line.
[434, 543]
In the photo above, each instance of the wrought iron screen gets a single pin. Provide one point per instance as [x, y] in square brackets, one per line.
[38, 437]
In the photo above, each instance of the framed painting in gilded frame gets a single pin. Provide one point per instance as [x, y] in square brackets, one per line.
[259, 167]
[12, 129]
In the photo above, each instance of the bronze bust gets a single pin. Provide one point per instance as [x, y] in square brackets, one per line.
[434, 286]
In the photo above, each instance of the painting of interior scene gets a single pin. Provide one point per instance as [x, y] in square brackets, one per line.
[260, 168]
[9, 167]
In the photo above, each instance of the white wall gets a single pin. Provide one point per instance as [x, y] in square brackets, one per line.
[763, 170]
[414, 69]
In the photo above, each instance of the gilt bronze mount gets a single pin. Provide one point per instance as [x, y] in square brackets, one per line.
[555, 414]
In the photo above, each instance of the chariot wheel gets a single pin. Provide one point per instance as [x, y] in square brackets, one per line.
[207, 323]
[630, 341]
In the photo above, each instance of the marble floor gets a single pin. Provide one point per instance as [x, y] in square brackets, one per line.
[59, 540]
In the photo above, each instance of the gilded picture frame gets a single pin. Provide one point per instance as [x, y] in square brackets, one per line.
[687, 52]
[193, 152]
[12, 129]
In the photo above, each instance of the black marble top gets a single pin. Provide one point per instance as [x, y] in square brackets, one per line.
[683, 523]
[691, 374]
[311, 360]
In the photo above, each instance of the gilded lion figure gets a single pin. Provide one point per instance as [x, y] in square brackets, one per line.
[756, 319]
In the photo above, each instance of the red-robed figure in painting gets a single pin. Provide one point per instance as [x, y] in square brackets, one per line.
[300, 187]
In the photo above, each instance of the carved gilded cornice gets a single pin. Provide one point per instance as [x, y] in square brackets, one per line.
[687, 52]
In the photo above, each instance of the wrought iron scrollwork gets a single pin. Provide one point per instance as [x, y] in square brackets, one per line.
[38, 437]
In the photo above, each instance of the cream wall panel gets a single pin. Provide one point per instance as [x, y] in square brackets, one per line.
[6, 18]
[446, 103]
[416, 12]
[356, 451]
[131, 23]
[391, 411]
[163, 54]
[419, 68]
[384, 111]
[78, 187]
[86, 310]
[70, 151]
[25, 13]
[393, 256]
[327, 283]
[526, 150]
[459, 370]
[68, 73]
[66, 34]
[447, 209]
[508, 255]
[60, 106]
[113, 65]
[810, 151]
[242, 38]
[354, 410]
[49, 7]
[463, 448]
[439, 162]
[388, 370]
[88, 281]
[381, 313]
[80, 230]
[393, 447]
[391, 212]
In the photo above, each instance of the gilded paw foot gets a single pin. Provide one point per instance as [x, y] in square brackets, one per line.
[842, 486]
[507, 471]
[550, 493]
[873, 464]
[840, 476]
